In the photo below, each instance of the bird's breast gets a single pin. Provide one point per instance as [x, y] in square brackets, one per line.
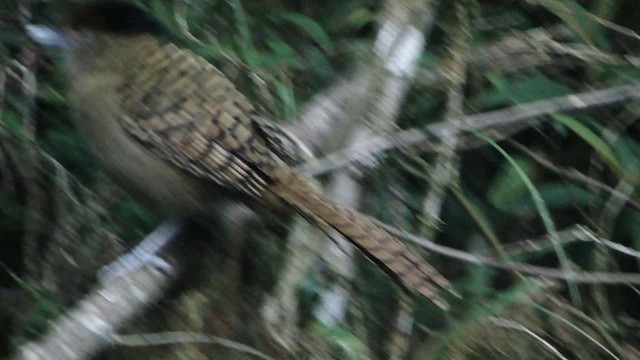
[147, 177]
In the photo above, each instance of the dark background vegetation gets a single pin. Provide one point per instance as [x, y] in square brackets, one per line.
[564, 182]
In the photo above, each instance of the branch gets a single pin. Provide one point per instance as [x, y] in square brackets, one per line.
[487, 122]
[575, 175]
[583, 277]
[85, 330]
[567, 236]
[318, 118]
[371, 98]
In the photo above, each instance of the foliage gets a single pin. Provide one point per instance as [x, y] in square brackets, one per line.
[535, 185]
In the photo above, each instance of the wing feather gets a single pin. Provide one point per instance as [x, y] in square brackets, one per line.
[185, 110]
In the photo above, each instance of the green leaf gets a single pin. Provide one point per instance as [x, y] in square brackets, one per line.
[242, 23]
[508, 188]
[286, 93]
[577, 18]
[11, 123]
[544, 212]
[312, 28]
[627, 152]
[360, 17]
[282, 52]
[509, 91]
[499, 81]
[342, 343]
[557, 196]
[592, 139]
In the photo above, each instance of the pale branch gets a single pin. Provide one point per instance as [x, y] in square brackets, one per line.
[591, 236]
[490, 122]
[615, 27]
[595, 18]
[446, 169]
[316, 121]
[399, 340]
[570, 235]
[586, 53]
[541, 244]
[372, 96]
[85, 329]
[506, 55]
[125, 290]
[279, 310]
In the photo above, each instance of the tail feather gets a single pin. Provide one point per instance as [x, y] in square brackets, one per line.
[393, 257]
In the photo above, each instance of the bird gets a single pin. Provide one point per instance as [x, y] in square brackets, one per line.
[176, 133]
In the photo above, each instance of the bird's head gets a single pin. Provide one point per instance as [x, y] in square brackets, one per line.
[98, 33]
[116, 18]
[102, 17]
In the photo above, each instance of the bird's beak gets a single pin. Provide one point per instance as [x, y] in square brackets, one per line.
[47, 36]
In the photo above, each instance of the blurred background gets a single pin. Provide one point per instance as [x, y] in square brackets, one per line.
[510, 138]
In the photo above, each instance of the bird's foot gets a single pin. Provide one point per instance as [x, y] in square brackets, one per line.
[145, 253]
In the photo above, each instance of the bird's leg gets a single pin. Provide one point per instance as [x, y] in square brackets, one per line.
[145, 253]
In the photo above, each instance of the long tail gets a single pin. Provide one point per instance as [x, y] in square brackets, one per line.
[387, 252]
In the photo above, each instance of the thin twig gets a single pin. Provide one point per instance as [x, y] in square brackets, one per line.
[567, 236]
[487, 121]
[513, 325]
[183, 337]
[575, 175]
[582, 277]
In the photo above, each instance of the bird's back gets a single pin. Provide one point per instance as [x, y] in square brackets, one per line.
[110, 97]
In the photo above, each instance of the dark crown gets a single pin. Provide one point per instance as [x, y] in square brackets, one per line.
[117, 17]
